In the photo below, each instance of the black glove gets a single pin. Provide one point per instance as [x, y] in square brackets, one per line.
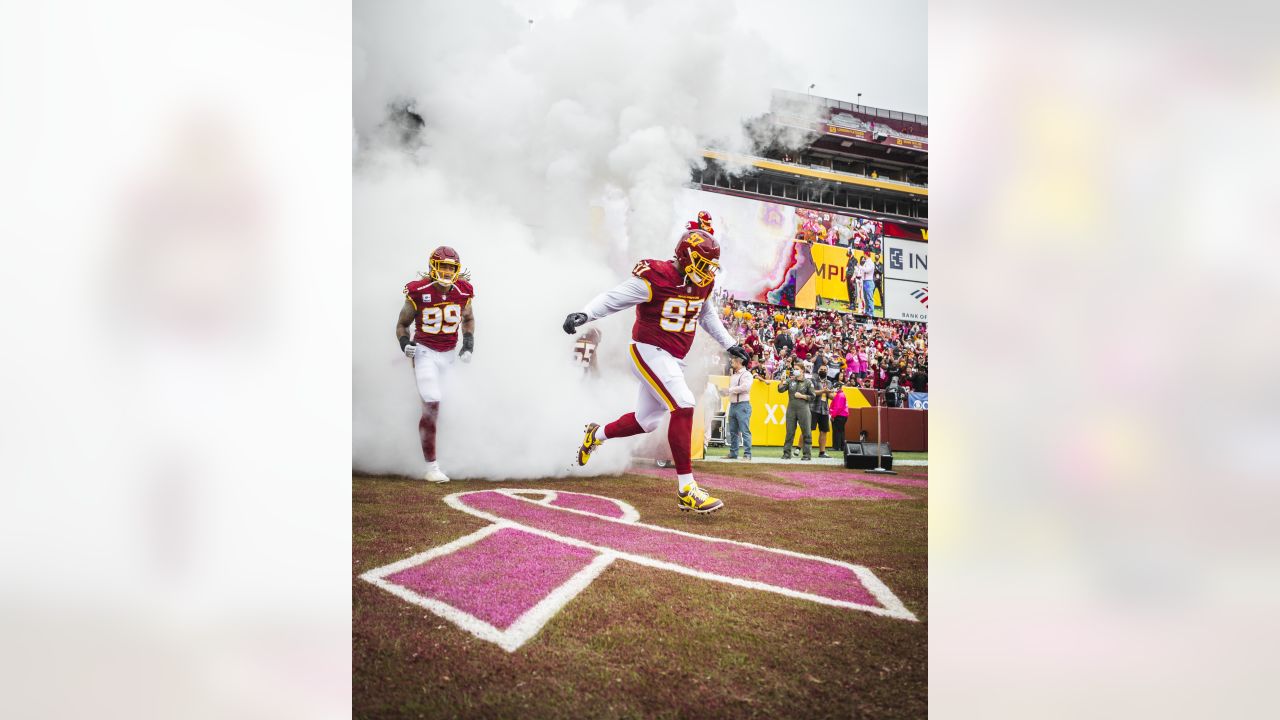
[468, 346]
[572, 321]
[739, 352]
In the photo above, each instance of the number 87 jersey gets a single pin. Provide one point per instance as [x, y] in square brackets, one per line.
[439, 311]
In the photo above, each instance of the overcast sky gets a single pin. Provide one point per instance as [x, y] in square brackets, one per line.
[875, 47]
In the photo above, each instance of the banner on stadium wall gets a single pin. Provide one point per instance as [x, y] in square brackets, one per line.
[795, 257]
[906, 300]
[906, 260]
[769, 410]
[918, 401]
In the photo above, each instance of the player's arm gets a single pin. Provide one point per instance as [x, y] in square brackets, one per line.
[709, 319]
[403, 323]
[468, 332]
[629, 293]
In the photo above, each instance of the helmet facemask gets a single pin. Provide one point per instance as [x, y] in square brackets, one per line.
[444, 272]
[701, 270]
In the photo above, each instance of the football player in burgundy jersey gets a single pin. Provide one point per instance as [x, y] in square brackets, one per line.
[438, 306]
[584, 351]
[669, 298]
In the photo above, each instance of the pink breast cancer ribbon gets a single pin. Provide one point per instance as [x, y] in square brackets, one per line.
[503, 582]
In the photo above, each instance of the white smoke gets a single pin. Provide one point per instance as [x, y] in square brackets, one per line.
[550, 157]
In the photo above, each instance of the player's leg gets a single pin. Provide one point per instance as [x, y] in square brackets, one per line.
[427, 368]
[650, 410]
[663, 374]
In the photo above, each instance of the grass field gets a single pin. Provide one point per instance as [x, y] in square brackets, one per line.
[640, 641]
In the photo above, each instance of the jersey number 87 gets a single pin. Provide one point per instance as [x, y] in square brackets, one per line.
[437, 320]
[680, 315]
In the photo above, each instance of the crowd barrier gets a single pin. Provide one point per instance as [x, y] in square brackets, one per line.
[903, 428]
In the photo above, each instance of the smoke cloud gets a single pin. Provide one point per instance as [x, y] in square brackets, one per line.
[546, 147]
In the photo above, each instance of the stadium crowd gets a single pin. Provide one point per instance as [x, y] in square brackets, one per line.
[853, 350]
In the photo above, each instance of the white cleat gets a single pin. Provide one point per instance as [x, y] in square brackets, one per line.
[434, 475]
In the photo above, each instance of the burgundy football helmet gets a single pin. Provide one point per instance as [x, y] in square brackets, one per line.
[698, 257]
[445, 265]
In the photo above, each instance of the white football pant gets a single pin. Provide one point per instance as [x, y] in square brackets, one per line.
[429, 368]
[662, 384]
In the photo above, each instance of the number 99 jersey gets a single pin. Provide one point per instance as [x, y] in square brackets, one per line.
[439, 318]
[669, 318]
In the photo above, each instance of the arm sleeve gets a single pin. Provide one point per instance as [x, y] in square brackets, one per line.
[630, 293]
[710, 321]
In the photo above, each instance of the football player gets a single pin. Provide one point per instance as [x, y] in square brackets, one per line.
[438, 306]
[584, 351]
[670, 299]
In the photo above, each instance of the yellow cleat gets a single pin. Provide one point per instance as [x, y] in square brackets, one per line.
[589, 443]
[696, 499]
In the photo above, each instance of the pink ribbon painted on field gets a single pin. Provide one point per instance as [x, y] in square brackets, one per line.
[504, 582]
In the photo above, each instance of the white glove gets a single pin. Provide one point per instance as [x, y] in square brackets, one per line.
[410, 349]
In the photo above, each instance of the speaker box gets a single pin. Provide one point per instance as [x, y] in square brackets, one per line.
[862, 456]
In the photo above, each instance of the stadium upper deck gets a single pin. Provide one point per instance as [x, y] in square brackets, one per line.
[849, 157]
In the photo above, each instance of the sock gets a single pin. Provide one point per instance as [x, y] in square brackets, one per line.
[679, 435]
[427, 430]
[600, 434]
[683, 479]
[433, 465]
[625, 426]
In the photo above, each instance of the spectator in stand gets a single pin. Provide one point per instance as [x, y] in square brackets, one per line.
[839, 416]
[803, 348]
[920, 379]
[739, 415]
[800, 391]
[820, 411]
[783, 341]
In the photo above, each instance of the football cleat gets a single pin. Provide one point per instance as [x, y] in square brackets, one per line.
[589, 443]
[434, 475]
[696, 499]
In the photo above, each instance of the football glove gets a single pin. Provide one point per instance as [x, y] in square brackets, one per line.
[408, 348]
[468, 346]
[572, 321]
[739, 352]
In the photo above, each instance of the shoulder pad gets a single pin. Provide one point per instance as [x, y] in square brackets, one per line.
[465, 288]
[657, 272]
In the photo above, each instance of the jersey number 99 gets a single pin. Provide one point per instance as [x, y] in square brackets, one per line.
[436, 320]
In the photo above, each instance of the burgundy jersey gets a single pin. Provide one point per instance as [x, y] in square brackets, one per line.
[669, 318]
[439, 318]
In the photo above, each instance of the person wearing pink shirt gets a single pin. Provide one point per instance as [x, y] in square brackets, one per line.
[839, 416]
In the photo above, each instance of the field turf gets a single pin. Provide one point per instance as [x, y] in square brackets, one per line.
[645, 642]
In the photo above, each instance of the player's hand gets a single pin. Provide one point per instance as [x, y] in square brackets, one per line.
[468, 347]
[408, 348]
[572, 321]
[739, 352]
